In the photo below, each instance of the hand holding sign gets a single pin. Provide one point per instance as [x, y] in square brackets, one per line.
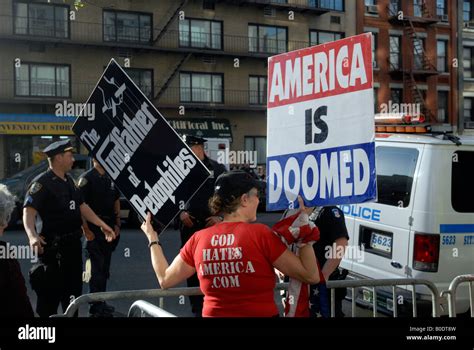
[148, 229]
[303, 208]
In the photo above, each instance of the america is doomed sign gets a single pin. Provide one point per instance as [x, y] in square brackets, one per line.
[320, 100]
[147, 160]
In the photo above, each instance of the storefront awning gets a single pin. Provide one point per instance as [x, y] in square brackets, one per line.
[203, 127]
[35, 124]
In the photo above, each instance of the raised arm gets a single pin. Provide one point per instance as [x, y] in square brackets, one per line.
[303, 268]
[168, 275]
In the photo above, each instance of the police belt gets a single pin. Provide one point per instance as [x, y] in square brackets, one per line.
[64, 238]
[106, 217]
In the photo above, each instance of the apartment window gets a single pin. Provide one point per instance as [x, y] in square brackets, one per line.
[418, 49]
[441, 8]
[418, 8]
[394, 7]
[41, 19]
[442, 54]
[257, 90]
[267, 39]
[317, 37]
[468, 62]
[42, 80]
[209, 5]
[127, 26]
[335, 5]
[371, 6]
[396, 95]
[395, 53]
[443, 106]
[258, 144]
[467, 11]
[143, 78]
[200, 34]
[201, 87]
[468, 109]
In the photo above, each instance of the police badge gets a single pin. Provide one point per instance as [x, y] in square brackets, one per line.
[82, 182]
[35, 187]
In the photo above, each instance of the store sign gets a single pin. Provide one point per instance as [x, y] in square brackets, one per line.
[203, 127]
[35, 124]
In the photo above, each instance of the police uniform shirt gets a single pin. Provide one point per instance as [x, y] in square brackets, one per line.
[332, 226]
[57, 201]
[99, 193]
[198, 206]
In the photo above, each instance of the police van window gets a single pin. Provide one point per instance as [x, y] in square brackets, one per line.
[395, 170]
[462, 193]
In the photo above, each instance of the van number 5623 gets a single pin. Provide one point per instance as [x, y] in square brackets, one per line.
[449, 240]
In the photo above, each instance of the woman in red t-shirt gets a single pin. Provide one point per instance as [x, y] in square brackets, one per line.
[234, 259]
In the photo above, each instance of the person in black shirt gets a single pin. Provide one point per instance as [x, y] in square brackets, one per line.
[57, 203]
[14, 302]
[329, 251]
[197, 215]
[100, 193]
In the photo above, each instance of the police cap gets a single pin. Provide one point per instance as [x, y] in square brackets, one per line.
[58, 147]
[193, 140]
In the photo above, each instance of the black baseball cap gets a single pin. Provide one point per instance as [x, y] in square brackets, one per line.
[193, 140]
[234, 184]
[58, 147]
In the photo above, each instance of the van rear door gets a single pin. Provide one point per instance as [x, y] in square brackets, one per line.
[217, 149]
[382, 229]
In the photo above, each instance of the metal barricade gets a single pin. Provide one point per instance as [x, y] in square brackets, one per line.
[142, 308]
[332, 285]
[353, 284]
[131, 294]
[137, 294]
[450, 294]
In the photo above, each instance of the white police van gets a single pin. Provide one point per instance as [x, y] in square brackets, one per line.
[422, 225]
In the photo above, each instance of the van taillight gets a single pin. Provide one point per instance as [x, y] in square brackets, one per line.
[426, 252]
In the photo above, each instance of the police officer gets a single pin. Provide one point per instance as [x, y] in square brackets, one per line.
[57, 203]
[100, 193]
[329, 251]
[197, 215]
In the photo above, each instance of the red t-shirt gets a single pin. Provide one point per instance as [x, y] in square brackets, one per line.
[234, 261]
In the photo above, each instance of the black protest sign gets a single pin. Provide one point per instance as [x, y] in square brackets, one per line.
[147, 160]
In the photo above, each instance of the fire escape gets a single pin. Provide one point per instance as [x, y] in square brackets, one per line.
[313, 6]
[172, 15]
[420, 66]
